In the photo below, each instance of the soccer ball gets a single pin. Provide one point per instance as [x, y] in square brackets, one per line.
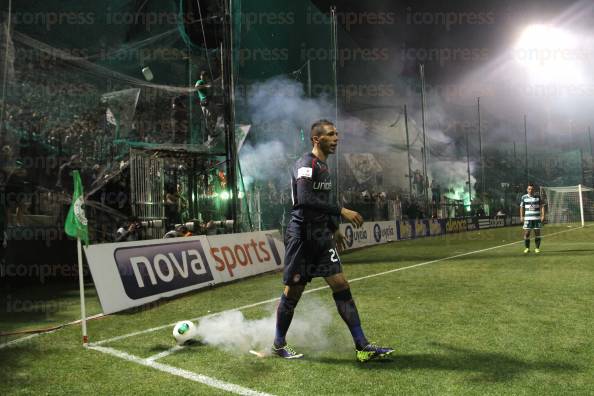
[184, 331]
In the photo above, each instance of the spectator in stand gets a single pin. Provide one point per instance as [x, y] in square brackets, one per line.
[480, 212]
[132, 231]
[181, 230]
[203, 92]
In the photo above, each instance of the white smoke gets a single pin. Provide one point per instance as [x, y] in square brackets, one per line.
[280, 102]
[264, 162]
[279, 110]
[232, 332]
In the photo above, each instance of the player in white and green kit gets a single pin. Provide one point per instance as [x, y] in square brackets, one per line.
[532, 213]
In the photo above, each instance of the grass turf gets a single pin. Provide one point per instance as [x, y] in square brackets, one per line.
[493, 322]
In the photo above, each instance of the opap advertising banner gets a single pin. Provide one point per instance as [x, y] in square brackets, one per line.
[371, 233]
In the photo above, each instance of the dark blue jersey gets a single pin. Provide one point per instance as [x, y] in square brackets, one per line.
[311, 189]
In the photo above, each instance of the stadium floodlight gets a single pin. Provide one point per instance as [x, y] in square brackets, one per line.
[550, 55]
[569, 204]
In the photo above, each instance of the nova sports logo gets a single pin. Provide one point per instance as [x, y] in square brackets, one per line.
[150, 270]
[233, 257]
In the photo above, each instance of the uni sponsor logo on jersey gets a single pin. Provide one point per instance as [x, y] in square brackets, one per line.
[326, 186]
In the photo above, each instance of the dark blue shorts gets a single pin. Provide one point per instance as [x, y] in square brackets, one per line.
[306, 259]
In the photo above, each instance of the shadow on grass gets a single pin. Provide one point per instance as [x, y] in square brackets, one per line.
[160, 348]
[489, 366]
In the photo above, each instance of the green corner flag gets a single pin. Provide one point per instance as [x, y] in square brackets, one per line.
[76, 221]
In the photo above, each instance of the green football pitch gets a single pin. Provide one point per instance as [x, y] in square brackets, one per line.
[467, 314]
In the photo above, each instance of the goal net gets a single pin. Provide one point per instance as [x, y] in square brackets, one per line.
[570, 204]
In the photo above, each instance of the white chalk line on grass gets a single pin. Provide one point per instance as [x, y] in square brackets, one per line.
[124, 336]
[28, 337]
[18, 340]
[165, 353]
[189, 375]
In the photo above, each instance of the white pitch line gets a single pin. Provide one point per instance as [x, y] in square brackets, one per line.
[28, 337]
[165, 353]
[319, 288]
[18, 340]
[203, 379]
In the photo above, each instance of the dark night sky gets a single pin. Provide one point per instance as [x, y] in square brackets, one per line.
[503, 19]
[490, 31]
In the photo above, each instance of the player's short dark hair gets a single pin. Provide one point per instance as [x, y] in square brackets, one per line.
[204, 73]
[530, 184]
[317, 128]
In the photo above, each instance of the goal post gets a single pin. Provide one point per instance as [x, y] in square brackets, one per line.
[569, 204]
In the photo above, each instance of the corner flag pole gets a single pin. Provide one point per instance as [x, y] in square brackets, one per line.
[76, 226]
[81, 286]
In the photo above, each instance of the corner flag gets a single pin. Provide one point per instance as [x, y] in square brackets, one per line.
[76, 221]
[76, 226]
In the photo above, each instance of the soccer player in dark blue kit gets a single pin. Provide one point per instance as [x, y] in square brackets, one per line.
[312, 239]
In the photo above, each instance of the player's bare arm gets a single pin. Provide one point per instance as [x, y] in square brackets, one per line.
[352, 217]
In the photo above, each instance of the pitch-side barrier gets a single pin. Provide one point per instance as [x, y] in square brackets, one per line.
[130, 274]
